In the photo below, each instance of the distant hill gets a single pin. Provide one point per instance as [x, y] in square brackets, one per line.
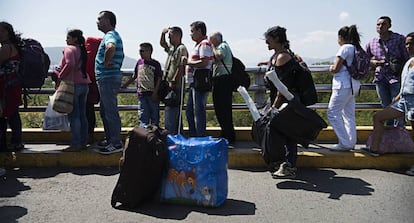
[55, 54]
[315, 61]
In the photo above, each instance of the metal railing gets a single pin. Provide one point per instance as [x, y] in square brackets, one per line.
[257, 88]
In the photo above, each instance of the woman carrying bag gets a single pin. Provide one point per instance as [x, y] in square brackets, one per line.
[73, 69]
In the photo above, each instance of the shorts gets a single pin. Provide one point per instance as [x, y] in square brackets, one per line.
[406, 105]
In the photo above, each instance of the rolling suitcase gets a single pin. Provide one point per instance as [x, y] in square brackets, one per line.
[144, 161]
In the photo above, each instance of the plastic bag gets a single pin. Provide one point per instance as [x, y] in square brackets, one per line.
[54, 120]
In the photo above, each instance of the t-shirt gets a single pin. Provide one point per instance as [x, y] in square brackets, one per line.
[342, 78]
[201, 50]
[174, 61]
[218, 67]
[100, 70]
[148, 73]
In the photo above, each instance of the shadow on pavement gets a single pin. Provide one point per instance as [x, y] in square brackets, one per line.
[10, 186]
[326, 181]
[9, 214]
[180, 212]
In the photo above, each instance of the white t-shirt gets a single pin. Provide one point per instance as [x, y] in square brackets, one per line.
[342, 79]
[201, 50]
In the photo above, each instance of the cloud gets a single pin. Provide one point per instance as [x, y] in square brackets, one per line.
[343, 16]
[316, 44]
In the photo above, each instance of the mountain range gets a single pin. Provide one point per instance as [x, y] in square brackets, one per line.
[55, 55]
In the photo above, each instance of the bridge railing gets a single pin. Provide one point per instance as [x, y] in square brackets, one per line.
[257, 88]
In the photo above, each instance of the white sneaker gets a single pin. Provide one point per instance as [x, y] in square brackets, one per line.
[285, 171]
[2, 172]
[339, 148]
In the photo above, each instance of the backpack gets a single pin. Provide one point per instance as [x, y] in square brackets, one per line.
[238, 75]
[34, 66]
[359, 68]
[304, 82]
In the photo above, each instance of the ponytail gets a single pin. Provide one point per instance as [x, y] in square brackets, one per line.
[350, 34]
[81, 42]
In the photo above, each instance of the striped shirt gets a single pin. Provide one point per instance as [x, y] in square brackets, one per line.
[200, 51]
[100, 70]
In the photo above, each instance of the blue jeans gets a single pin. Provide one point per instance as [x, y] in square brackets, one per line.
[77, 118]
[108, 90]
[196, 112]
[148, 111]
[172, 118]
[386, 92]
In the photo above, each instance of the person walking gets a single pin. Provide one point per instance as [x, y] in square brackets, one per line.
[387, 47]
[173, 72]
[10, 88]
[201, 57]
[402, 105]
[108, 64]
[148, 74]
[222, 93]
[73, 69]
[283, 63]
[341, 107]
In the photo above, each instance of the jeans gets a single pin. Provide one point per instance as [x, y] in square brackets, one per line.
[386, 92]
[291, 153]
[341, 115]
[77, 118]
[222, 99]
[108, 89]
[148, 111]
[172, 118]
[15, 124]
[196, 112]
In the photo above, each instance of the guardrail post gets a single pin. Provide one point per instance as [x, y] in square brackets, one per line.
[259, 95]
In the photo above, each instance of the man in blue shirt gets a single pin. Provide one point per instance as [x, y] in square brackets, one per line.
[108, 64]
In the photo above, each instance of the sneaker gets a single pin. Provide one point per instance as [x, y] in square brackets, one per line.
[371, 152]
[111, 149]
[2, 172]
[410, 171]
[339, 148]
[102, 144]
[230, 146]
[72, 149]
[285, 171]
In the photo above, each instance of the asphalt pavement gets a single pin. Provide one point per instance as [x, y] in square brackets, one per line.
[316, 195]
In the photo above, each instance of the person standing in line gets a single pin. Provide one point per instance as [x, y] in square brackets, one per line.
[173, 73]
[91, 45]
[73, 69]
[10, 88]
[108, 64]
[341, 107]
[382, 49]
[222, 93]
[402, 105]
[148, 74]
[200, 57]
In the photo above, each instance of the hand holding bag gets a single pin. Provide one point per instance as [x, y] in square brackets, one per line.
[63, 102]
[202, 79]
[54, 120]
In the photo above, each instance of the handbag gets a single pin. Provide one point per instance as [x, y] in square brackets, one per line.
[63, 102]
[202, 79]
[394, 140]
[197, 173]
[394, 64]
[171, 99]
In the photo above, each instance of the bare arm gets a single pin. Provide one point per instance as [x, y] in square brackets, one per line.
[164, 43]
[109, 54]
[337, 65]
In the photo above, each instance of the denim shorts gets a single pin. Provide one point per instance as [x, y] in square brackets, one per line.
[406, 105]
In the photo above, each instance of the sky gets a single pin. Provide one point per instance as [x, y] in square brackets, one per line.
[312, 25]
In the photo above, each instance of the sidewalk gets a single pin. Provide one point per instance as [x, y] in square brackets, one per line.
[245, 155]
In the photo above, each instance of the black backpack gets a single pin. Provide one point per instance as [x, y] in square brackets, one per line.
[305, 86]
[34, 66]
[238, 74]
